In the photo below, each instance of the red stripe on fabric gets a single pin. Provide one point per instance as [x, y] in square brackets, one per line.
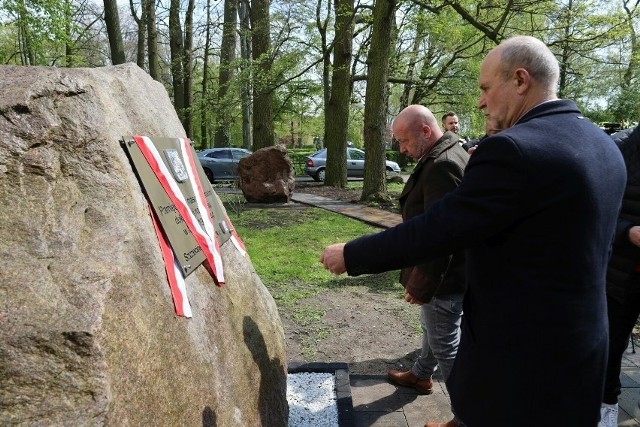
[167, 255]
[216, 243]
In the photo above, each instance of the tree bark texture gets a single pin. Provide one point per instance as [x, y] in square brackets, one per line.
[187, 68]
[263, 135]
[375, 108]
[112, 21]
[225, 76]
[337, 111]
[152, 40]
[245, 90]
[176, 47]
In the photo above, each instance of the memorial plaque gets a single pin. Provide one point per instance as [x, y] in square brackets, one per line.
[185, 247]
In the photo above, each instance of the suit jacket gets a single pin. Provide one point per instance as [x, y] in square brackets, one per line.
[536, 211]
[626, 256]
[436, 173]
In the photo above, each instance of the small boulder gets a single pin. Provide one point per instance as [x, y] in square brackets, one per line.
[267, 176]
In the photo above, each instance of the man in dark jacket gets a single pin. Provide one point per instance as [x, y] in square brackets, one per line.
[623, 274]
[536, 211]
[437, 284]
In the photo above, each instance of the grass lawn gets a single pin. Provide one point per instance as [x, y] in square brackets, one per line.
[285, 247]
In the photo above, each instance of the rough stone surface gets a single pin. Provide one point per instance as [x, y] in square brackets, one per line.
[88, 334]
[267, 176]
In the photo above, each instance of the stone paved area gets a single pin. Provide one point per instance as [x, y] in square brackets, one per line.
[378, 403]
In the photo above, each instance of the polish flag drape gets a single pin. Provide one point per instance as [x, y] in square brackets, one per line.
[205, 238]
[203, 206]
[208, 244]
[174, 272]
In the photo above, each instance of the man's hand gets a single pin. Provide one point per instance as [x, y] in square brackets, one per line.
[634, 235]
[411, 300]
[333, 258]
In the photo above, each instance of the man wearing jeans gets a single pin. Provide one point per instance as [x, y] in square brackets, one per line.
[438, 284]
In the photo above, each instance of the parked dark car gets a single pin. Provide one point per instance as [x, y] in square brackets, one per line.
[316, 163]
[221, 164]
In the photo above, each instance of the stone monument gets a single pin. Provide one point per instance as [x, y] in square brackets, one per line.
[88, 334]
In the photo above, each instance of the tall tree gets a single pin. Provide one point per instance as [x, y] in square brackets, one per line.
[152, 39]
[176, 47]
[375, 107]
[204, 122]
[187, 69]
[337, 110]
[263, 135]
[245, 85]
[225, 76]
[112, 21]
[141, 22]
[322, 24]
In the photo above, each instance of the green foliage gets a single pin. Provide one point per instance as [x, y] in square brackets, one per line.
[298, 156]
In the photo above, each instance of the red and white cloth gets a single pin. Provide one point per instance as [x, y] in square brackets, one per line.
[205, 237]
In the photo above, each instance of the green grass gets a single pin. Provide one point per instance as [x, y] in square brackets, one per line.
[285, 247]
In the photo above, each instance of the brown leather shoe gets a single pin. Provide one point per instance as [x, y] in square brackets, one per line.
[451, 423]
[407, 378]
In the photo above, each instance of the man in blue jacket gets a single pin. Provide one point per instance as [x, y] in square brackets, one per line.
[536, 212]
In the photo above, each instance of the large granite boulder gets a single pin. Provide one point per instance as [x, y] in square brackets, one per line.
[88, 334]
[267, 176]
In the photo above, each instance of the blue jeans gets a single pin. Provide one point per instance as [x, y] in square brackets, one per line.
[440, 320]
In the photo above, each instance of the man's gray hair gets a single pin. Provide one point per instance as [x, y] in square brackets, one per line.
[532, 55]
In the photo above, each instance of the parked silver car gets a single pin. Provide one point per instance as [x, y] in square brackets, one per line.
[221, 164]
[316, 163]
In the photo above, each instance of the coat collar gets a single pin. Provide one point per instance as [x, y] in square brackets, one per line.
[444, 143]
[550, 107]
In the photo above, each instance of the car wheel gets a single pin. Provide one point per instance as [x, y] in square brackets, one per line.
[209, 175]
[320, 175]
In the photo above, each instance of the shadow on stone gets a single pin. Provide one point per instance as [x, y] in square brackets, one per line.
[273, 376]
[208, 417]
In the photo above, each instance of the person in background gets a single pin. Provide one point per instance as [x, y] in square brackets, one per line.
[438, 284]
[450, 122]
[623, 275]
[489, 128]
[534, 342]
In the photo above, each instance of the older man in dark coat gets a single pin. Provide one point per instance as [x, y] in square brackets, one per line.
[536, 211]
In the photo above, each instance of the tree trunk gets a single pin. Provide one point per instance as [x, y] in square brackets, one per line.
[245, 89]
[112, 21]
[375, 108]
[187, 68]
[337, 111]
[322, 25]
[204, 128]
[176, 48]
[141, 22]
[68, 44]
[227, 58]
[28, 55]
[152, 40]
[263, 135]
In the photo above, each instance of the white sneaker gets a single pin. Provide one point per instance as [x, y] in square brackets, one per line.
[608, 415]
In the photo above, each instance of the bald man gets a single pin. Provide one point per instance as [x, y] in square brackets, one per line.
[438, 284]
